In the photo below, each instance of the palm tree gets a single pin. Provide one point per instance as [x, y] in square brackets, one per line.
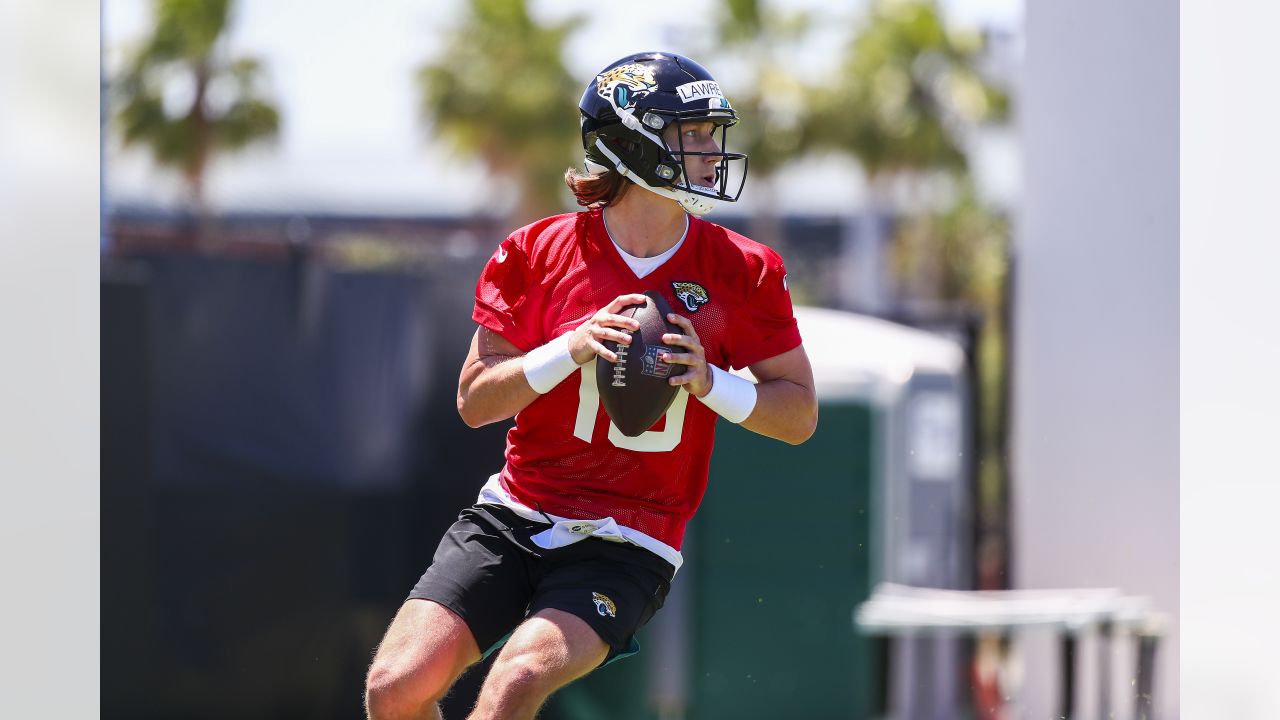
[772, 102]
[909, 88]
[500, 91]
[225, 112]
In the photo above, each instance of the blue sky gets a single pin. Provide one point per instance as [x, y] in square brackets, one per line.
[351, 140]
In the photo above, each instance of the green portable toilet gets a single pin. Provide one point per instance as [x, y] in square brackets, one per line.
[789, 539]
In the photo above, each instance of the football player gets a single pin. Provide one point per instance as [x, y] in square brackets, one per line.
[572, 546]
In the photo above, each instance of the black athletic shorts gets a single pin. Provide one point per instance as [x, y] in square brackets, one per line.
[489, 571]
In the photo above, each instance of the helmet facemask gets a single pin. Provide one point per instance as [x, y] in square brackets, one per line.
[729, 176]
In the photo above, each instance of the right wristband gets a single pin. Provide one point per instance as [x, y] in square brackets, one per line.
[732, 397]
[547, 365]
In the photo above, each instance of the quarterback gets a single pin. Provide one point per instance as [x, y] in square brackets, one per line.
[572, 546]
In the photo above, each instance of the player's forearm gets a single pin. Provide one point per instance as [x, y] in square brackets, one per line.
[784, 410]
[493, 388]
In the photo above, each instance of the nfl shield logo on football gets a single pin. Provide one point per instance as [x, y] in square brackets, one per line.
[652, 366]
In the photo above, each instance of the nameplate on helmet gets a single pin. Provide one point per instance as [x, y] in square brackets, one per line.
[699, 90]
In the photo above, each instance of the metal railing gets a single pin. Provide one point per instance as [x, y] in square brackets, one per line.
[904, 611]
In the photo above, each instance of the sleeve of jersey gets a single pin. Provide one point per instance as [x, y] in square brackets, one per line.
[768, 326]
[505, 296]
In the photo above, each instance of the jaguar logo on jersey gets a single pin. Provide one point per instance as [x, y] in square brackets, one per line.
[623, 84]
[652, 365]
[691, 294]
[604, 605]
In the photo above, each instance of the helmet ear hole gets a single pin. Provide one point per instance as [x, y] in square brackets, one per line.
[626, 146]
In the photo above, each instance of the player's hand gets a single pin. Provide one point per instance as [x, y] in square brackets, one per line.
[587, 340]
[697, 379]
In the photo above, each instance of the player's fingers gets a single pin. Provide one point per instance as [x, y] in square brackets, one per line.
[680, 358]
[624, 300]
[684, 341]
[683, 323]
[601, 332]
[602, 351]
[604, 318]
[683, 379]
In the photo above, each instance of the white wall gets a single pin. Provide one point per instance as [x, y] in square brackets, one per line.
[1096, 316]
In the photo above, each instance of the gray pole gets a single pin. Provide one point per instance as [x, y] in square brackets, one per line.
[1067, 670]
[1144, 700]
[1105, 648]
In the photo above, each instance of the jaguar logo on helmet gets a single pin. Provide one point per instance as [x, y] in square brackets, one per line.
[691, 294]
[623, 84]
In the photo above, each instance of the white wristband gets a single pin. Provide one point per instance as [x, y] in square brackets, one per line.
[547, 365]
[732, 397]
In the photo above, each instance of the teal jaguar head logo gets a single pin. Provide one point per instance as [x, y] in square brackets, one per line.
[623, 84]
[604, 605]
[690, 294]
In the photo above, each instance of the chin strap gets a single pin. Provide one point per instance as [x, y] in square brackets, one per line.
[692, 204]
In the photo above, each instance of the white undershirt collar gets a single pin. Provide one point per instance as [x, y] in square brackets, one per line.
[643, 266]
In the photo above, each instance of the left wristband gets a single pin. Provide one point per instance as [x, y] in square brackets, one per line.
[546, 366]
[732, 397]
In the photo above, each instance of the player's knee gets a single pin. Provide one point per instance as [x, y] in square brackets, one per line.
[390, 694]
[385, 697]
[524, 679]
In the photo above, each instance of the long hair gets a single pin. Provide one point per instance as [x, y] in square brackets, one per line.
[596, 190]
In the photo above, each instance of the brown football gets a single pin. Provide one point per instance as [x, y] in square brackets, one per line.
[634, 390]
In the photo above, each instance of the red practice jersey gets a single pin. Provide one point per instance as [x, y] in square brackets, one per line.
[563, 455]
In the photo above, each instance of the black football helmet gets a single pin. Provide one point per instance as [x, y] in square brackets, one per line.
[627, 106]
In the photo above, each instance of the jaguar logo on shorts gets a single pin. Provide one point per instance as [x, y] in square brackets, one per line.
[691, 294]
[604, 605]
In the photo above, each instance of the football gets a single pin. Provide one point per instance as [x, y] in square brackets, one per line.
[634, 390]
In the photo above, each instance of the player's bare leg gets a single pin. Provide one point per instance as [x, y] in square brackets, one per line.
[548, 651]
[424, 651]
